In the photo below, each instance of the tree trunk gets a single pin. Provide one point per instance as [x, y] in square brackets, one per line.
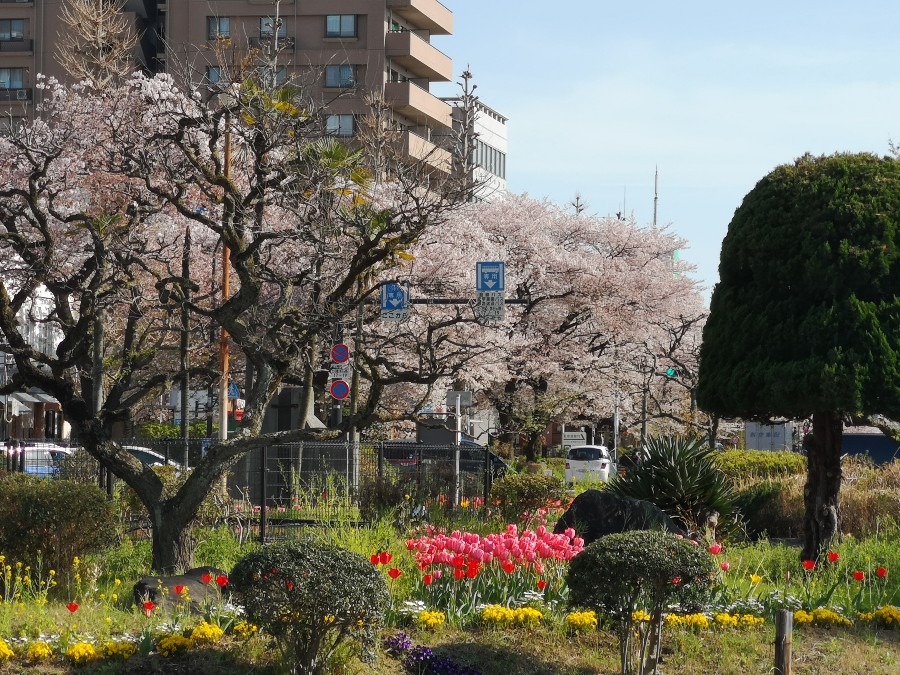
[173, 546]
[823, 484]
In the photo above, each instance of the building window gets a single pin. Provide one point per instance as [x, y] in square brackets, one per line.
[339, 125]
[12, 78]
[267, 27]
[339, 76]
[218, 26]
[490, 159]
[213, 74]
[340, 25]
[12, 29]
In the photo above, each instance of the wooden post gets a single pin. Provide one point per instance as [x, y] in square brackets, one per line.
[784, 631]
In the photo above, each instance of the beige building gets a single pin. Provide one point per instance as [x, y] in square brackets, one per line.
[338, 49]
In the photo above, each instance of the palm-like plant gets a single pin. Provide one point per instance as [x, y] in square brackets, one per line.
[680, 477]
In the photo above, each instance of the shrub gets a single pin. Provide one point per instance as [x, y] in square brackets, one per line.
[310, 597]
[518, 493]
[621, 574]
[772, 507]
[739, 465]
[53, 520]
[381, 497]
[680, 476]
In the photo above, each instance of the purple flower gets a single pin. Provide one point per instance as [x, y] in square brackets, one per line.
[395, 645]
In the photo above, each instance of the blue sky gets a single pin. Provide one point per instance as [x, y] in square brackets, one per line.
[714, 94]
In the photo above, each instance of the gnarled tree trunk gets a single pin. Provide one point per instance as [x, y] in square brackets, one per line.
[173, 546]
[823, 484]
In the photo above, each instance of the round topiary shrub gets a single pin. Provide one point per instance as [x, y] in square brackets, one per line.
[645, 570]
[311, 597]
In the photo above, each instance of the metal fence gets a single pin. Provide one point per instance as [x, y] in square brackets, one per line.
[304, 482]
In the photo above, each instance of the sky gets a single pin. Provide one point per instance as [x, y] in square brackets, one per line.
[712, 95]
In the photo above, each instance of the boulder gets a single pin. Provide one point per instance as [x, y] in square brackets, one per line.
[596, 513]
[161, 589]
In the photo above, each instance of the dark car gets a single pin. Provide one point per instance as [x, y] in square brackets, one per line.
[405, 455]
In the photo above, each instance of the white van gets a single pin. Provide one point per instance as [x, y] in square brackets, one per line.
[588, 463]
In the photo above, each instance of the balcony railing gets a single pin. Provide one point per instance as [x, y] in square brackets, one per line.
[418, 104]
[22, 94]
[16, 45]
[418, 56]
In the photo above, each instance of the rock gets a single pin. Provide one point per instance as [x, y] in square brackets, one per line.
[596, 513]
[161, 589]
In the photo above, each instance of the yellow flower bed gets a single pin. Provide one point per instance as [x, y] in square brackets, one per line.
[693, 621]
[206, 633]
[5, 652]
[245, 629]
[82, 652]
[582, 621]
[500, 615]
[640, 615]
[887, 616]
[38, 651]
[430, 620]
[174, 644]
[821, 617]
[726, 620]
[119, 649]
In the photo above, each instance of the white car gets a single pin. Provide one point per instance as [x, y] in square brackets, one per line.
[588, 463]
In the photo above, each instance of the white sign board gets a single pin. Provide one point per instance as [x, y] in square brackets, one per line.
[465, 399]
[340, 371]
[490, 306]
[572, 439]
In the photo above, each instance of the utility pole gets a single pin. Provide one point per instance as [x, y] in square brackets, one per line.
[185, 327]
[226, 268]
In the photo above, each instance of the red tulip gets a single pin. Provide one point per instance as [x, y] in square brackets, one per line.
[509, 567]
[393, 573]
[809, 565]
[221, 580]
[725, 566]
[676, 581]
[881, 572]
[72, 607]
[374, 558]
[179, 589]
[149, 606]
[459, 574]
[716, 548]
[427, 580]
[206, 577]
[541, 584]
[472, 572]
[289, 584]
[385, 558]
[859, 576]
[833, 556]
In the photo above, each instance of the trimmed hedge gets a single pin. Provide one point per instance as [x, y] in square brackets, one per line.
[739, 465]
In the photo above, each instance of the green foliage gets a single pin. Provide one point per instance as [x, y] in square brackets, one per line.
[645, 570]
[739, 465]
[381, 497]
[218, 547]
[163, 430]
[127, 560]
[806, 314]
[680, 476]
[55, 520]
[518, 493]
[310, 597]
[772, 507]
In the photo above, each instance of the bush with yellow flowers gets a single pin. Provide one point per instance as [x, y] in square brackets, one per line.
[5, 652]
[174, 644]
[887, 616]
[82, 652]
[431, 620]
[119, 649]
[581, 621]
[498, 615]
[38, 651]
[821, 616]
[695, 621]
[206, 633]
[245, 629]
[726, 620]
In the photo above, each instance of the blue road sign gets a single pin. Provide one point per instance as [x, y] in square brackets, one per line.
[340, 390]
[340, 353]
[394, 297]
[233, 391]
[490, 276]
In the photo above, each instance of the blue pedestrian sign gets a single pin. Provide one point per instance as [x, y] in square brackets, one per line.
[233, 391]
[490, 276]
[395, 301]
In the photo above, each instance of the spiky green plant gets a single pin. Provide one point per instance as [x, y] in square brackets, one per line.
[680, 476]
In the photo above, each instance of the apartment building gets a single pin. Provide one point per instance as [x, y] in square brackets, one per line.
[338, 49]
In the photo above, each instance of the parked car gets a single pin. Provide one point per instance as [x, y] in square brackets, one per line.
[405, 456]
[43, 459]
[148, 456]
[588, 463]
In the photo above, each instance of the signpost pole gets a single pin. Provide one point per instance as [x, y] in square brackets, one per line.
[458, 442]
